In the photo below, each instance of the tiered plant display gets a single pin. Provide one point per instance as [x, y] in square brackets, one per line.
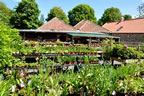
[80, 50]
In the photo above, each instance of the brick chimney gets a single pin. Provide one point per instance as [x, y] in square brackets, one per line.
[121, 20]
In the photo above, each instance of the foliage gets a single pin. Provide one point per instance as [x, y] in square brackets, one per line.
[5, 86]
[58, 49]
[81, 12]
[141, 47]
[42, 18]
[5, 14]
[95, 80]
[120, 51]
[26, 15]
[9, 43]
[59, 13]
[110, 15]
[127, 17]
[131, 85]
[141, 10]
[131, 80]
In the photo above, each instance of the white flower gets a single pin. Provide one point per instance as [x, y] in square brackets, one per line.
[22, 83]
[114, 93]
[13, 88]
[79, 77]
[125, 91]
[29, 82]
[121, 84]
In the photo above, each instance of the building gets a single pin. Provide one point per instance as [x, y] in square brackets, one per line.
[57, 30]
[131, 32]
[88, 26]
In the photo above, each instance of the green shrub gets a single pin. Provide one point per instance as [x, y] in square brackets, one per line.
[120, 51]
[9, 43]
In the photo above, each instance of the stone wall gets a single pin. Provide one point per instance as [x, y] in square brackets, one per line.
[131, 39]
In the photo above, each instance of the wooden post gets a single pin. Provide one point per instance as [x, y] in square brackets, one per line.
[24, 36]
[58, 39]
[89, 42]
[66, 38]
[119, 40]
[73, 42]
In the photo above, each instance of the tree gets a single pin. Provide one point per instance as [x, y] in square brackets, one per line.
[110, 15]
[5, 14]
[141, 10]
[26, 15]
[9, 42]
[42, 18]
[59, 13]
[127, 17]
[81, 12]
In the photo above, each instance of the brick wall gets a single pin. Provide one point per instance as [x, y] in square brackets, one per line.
[131, 39]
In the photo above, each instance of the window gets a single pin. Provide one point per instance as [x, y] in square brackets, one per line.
[119, 28]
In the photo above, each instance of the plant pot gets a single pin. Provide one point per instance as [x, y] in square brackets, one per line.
[27, 66]
[79, 62]
[16, 89]
[70, 62]
[73, 52]
[73, 62]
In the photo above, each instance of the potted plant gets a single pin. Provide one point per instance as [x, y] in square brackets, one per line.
[91, 59]
[80, 60]
[69, 60]
[64, 59]
[96, 60]
[73, 59]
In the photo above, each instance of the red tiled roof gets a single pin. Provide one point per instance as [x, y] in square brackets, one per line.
[57, 24]
[127, 26]
[88, 26]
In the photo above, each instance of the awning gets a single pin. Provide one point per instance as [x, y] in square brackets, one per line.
[92, 35]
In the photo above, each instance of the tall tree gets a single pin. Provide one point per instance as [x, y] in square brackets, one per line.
[141, 10]
[59, 13]
[5, 14]
[110, 15]
[42, 18]
[127, 17]
[26, 15]
[81, 12]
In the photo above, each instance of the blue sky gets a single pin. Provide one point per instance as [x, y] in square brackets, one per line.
[126, 6]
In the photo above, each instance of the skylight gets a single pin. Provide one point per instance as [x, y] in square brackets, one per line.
[119, 28]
